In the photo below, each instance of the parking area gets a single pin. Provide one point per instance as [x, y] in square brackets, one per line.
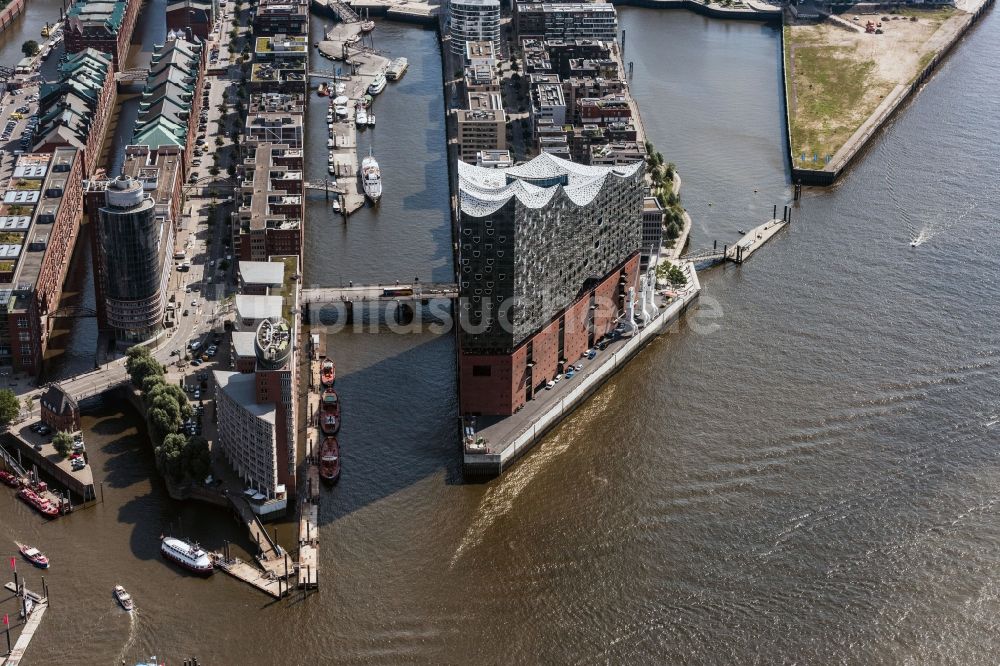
[18, 121]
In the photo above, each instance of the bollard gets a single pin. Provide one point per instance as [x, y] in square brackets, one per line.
[774, 215]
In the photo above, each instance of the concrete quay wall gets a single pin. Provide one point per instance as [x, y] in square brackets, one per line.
[703, 9]
[10, 12]
[488, 465]
[861, 139]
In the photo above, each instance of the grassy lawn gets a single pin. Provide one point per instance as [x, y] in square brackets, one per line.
[830, 96]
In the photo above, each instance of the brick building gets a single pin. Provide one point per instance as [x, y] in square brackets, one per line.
[548, 250]
[40, 221]
[101, 25]
[270, 213]
[193, 18]
[59, 410]
[74, 111]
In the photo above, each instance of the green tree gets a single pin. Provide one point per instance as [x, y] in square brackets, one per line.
[30, 48]
[10, 407]
[150, 383]
[161, 424]
[139, 364]
[170, 456]
[214, 170]
[63, 443]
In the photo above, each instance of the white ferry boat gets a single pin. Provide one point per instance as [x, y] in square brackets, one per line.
[188, 555]
[396, 69]
[377, 84]
[371, 178]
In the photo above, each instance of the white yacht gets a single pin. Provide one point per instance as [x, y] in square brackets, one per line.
[188, 555]
[371, 178]
[361, 117]
[377, 85]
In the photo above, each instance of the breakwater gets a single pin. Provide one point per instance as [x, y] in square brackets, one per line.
[894, 101]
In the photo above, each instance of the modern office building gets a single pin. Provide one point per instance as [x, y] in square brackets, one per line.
[548, 251]
[548, 103]
[256, 405]
[566, 20]
[134, 238]
[39, 224]
[474, 21]
[74, 110]
[101, 25]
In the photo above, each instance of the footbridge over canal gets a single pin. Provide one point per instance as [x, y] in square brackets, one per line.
[380, 292]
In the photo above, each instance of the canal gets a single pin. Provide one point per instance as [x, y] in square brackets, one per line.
[805, 471]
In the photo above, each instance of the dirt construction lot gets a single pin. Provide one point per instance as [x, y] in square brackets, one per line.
[838, 74]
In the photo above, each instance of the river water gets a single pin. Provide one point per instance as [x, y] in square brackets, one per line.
[805, 471]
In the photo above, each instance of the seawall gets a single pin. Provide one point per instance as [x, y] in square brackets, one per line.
[482, 466]
[11, 12]
[705, 10]
[861, 139]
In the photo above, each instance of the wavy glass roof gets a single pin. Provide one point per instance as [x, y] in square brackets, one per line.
[483, 191]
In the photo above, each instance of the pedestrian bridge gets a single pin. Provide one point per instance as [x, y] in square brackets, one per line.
[380, 292]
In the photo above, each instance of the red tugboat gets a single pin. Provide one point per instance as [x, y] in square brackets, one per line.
[9, 479]
[33, 555]
[42, 505]
[329, 460]
[329, 413]
[327, 373]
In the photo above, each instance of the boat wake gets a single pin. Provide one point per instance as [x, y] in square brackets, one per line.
[133, 633]
[499, 498]
[939, 225]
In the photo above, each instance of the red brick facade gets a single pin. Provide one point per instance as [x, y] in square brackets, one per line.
[79, 36]
[499, 384]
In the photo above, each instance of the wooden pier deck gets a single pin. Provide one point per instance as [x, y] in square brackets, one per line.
[754, 239]
[31, 625]
[265, 581]
[308, 559]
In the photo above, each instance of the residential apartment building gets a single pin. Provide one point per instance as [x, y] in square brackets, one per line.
[480, 53]
[39, 222]
[74, 111]
[548, 251]
[269, 218]
[101, 25]
[256, 406]
[565, 20]
[474, 21]
[281, 17]
[275, 120]
[548, 103]
[602, 111]
[483, 126]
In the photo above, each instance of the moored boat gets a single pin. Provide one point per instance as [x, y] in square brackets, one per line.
[397, 68]
[323, 90]
[329, 414]
[340, 88]
[371, 178]
[123, 598]
[39, 503]
[329, 460]
[377, 85]
[371, 119]
[188, 555]
[361, 117]
[9, 478]
[367, 26]
[328, 373]
[33, 555]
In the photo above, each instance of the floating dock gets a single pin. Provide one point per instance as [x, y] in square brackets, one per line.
[265, 581]
[40, 604]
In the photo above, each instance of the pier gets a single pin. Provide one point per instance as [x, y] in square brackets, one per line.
[265, 581]
[39, 604]
[742, 249]
[308, 537]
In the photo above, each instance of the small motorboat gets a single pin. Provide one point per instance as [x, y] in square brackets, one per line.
[33, 555]
[367, 26]
[340, 89]
[336, 205]
[328, 373]
[124, 598]
[361, 118]
[371, 119]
